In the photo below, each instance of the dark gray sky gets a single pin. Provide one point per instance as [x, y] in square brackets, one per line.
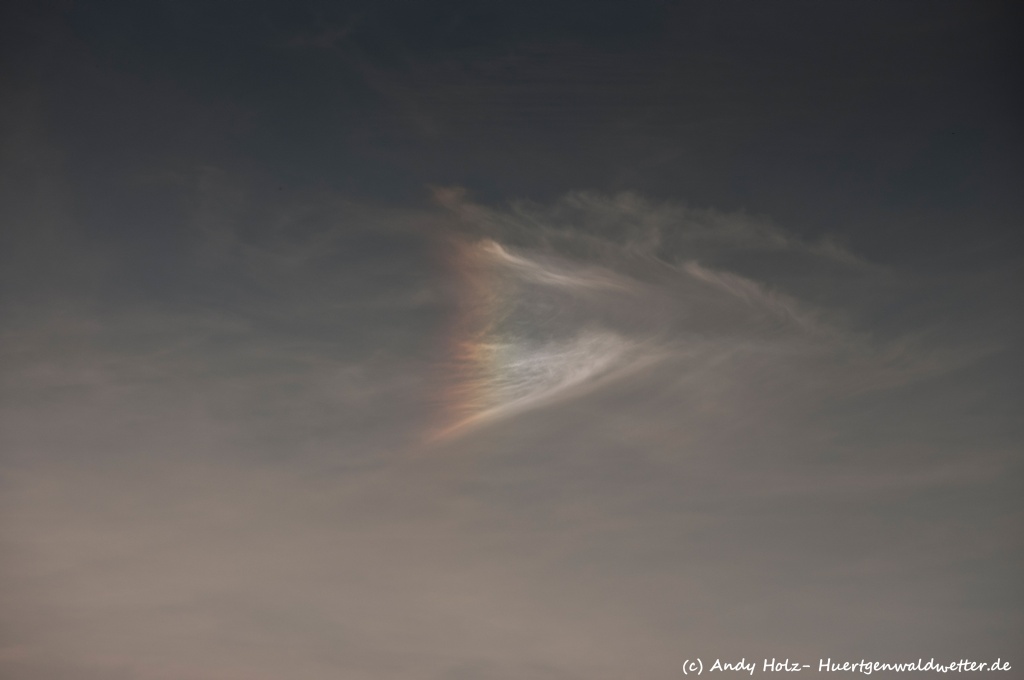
[505, 340]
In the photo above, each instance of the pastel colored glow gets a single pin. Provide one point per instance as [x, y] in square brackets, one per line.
[510, 350]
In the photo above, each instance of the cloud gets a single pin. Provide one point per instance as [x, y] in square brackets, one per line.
[570, 278]
[545, 284]
[535, 328]
[669, 445]
[592, 224]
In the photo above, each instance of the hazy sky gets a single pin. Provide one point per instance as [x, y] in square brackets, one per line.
[508, 340]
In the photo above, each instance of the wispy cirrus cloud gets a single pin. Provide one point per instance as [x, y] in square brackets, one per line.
[662, 281]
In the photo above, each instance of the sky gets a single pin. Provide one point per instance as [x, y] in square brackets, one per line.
[501, 340]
